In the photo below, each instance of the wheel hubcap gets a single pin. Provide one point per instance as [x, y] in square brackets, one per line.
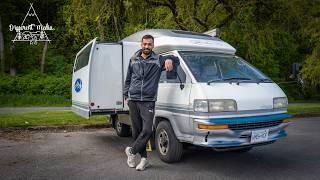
[163, 142]
[119, 126]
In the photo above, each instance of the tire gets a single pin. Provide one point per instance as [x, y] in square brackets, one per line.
[168, 146]
[122, 130]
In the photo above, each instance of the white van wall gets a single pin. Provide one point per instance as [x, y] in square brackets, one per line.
[105, 88]
[80, 80]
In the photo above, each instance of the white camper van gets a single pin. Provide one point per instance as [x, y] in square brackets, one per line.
[213, 98]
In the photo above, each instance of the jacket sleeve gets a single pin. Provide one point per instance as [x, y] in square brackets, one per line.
[127, 81]
[175, 61]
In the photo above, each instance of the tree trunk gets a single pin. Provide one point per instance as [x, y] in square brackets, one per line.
[12, 61]
[1, 48]
[43, 59]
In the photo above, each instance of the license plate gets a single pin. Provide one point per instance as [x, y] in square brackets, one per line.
[259, 136]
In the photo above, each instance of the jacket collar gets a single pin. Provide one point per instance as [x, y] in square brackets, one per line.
[153, 55]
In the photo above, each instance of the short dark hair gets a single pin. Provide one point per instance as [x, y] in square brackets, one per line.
[147, 36]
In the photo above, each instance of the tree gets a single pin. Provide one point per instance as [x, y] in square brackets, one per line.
[43, 59]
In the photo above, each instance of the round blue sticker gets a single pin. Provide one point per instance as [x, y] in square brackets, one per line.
[78, 85]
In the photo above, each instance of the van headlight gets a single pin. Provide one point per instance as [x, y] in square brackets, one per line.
[280, 102]
[219, 105]
[215, 105]
[200, 105]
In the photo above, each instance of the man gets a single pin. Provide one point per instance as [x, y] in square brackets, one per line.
[140, 92]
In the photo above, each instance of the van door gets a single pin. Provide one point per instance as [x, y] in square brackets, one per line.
[173, 102]
[80, 80]
[106, 79]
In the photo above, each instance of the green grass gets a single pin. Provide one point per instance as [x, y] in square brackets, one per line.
[47, 118]
[33, 100]
[301, 108]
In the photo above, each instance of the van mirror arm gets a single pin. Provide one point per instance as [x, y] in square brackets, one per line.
[181, 84]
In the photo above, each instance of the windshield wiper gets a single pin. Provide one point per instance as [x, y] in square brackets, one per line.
[239, 79]
[214, 80]
[264, 81]
[236, 78]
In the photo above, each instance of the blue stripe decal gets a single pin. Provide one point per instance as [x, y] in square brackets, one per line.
[252, 119]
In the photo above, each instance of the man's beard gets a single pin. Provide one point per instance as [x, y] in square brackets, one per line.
[146, 51]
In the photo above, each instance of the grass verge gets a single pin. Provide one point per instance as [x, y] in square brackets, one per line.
[67, 117]
[33, 100]
[47, 118]
[304, 108]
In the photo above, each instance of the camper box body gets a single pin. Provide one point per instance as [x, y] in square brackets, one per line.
[259, 107]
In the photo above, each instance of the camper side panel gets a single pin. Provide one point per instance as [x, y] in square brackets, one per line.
[106, 78]
[80, 81]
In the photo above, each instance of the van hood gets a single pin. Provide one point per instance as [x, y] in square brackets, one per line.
[249, 96]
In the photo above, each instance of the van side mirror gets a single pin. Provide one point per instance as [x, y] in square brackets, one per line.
[295, 71]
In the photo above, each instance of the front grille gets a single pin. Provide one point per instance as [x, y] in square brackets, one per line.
[256, 125]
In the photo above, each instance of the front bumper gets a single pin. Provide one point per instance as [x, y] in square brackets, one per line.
[240, 136]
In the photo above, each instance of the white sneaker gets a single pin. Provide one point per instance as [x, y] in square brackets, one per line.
[131, 158]
[144, 163]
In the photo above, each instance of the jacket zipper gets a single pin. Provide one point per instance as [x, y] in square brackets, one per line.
[141, 89]
[142, 80]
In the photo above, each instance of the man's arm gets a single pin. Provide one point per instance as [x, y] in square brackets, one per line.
[127, 81]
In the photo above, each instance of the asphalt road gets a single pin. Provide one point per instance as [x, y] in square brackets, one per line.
[98, 154]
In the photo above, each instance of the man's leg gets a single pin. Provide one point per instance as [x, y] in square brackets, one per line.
[147, 113]
[135, 119]
[136, 129]
[136, 125]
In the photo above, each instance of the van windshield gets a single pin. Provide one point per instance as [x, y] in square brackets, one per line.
[213, 67]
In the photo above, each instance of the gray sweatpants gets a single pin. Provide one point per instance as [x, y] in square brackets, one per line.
[142, 114]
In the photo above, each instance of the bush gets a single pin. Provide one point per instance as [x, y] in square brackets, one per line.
[36, 84]
[12, 100]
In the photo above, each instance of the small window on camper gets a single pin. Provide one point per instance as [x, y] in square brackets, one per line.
[83, 58]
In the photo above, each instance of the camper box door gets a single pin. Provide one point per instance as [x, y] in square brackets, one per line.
[105, 88]
[80, 80]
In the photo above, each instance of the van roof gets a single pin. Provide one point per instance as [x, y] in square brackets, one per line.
[156, 33]
[169, 39]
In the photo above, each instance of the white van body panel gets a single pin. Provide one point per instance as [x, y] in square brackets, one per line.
[81, 96]
[80, 85]
[248, 96]
[172, 97]
[105, 77]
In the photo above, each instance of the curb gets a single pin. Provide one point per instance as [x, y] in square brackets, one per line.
[82, 127]
[305, 115]
[57, 128]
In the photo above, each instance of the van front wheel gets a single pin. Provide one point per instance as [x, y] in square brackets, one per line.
[168, 146]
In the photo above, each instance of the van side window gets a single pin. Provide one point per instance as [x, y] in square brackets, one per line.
[83, 58]
[181, 73]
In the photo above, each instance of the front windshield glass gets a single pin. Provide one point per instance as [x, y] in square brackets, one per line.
[212, 67]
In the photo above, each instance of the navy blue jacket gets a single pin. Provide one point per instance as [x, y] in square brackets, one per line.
[143, 76]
